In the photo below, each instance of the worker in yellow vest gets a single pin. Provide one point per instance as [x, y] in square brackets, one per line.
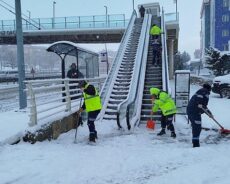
[161, 100]
[155, 31]
[92, 105]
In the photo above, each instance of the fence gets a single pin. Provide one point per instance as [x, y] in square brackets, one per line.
[57, 97]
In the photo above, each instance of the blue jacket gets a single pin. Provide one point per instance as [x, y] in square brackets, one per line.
[200, 97]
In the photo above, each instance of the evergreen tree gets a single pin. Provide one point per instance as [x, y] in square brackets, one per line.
[216, 62]
[180, 60]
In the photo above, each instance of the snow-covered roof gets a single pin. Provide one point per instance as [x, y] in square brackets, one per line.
[67, 48]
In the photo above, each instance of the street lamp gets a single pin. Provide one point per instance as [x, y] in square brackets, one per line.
[133, 5]
[29, 14]
[175, 1]
[106, 16]
[54, 3]
[106, 51]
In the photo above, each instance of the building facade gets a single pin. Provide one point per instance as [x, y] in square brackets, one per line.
[215, 25]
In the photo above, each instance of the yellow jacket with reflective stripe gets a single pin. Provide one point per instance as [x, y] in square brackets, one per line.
[165, 103]
[92, 102]
[155, 30]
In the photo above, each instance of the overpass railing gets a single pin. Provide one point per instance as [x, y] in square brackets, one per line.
[95, 21]
[54, 99]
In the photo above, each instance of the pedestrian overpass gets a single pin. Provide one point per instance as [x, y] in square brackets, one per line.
[79, 29]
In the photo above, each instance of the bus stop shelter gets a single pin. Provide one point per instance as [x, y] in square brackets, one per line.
[87, 62]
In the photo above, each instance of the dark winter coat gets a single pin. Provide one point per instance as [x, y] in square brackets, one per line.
[200, 97]
[74, 74]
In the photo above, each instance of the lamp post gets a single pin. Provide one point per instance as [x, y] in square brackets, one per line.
[29, 14]
[133, 5]
[106, 51]
[106, 16]
[54, 3]
[175, 1]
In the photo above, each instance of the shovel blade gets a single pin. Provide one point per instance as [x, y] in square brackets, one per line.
[151, 124]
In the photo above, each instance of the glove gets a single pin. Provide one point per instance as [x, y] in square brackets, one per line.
[79, 111]
[200, 105]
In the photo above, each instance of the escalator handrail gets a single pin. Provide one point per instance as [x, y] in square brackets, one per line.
[122, 107]
[165, 70]
[137, 98]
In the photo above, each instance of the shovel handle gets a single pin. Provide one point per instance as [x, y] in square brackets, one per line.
[206, 112]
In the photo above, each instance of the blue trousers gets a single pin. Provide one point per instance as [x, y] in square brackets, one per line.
[92, 130]
[195, 120]
[167, 121]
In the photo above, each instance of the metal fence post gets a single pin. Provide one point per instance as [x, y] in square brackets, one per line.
[33, 107]
[68, 99]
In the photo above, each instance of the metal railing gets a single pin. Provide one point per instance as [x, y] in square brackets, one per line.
[57, 97]
[74, 22]
[95, 21]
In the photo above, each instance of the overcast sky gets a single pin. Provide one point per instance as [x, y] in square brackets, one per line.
[189, 10]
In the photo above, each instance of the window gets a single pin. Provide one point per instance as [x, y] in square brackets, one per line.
[225, 33]
[225, 47]
[225, 18]
[225, 3]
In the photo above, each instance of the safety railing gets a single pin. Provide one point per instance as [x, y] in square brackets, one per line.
[53, 99]
[135, 101]
[75, 22]
[106, 89]
[165, 69]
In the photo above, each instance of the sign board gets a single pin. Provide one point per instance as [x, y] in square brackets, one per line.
[182, 90]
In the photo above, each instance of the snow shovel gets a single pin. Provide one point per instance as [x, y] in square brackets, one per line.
[222, 130]
[151, 124]
[78, 119]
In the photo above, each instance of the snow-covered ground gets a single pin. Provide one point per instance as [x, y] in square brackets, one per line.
[137, 158]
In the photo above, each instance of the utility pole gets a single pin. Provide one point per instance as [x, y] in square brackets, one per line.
[20, 55]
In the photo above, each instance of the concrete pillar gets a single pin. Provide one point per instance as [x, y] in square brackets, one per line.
[171, 58]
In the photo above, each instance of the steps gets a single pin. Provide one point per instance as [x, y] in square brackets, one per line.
[120, 89]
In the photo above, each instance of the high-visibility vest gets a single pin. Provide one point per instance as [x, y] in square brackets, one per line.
[165, 103]
[92, 102]
[155, 30]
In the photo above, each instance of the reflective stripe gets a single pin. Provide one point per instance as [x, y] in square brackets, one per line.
[197, 122]
[171, 118]
[200, 96]
[92, 119]
[195, 138]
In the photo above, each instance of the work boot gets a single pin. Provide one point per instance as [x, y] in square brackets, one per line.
[92, 137]
[96, 135]
[196, 144]
[162, 132]
[173, 134]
